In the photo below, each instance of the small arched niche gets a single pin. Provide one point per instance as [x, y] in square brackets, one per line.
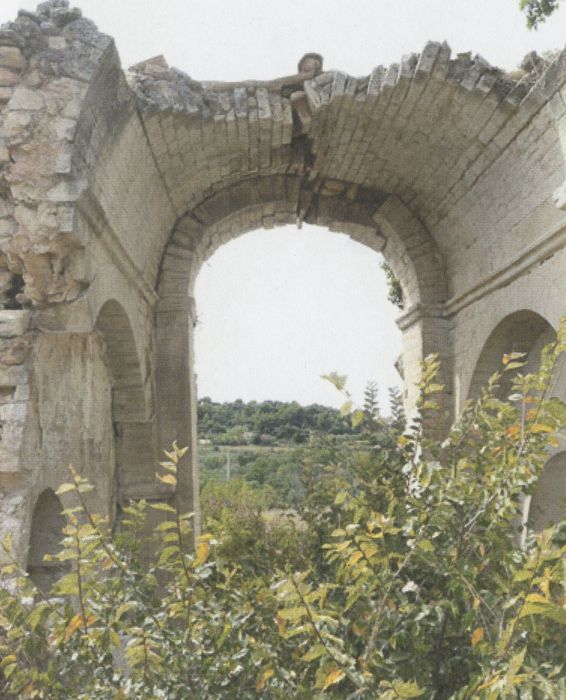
[548, 503]
[130, 415]
[524, 331]
[46, 535]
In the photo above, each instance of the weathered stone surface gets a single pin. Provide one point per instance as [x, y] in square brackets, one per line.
[8, 78]
[11, 57]
[116, 188]
[26, 99]
[13, 323]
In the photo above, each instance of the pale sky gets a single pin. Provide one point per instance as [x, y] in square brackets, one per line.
[279, 308]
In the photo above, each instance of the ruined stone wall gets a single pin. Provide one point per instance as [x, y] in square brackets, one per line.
[116, 186]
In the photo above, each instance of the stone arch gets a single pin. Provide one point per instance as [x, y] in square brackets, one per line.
[125, 175]
[376, 219]
[130, 410]
[521, 331]
[548, 502]
[46, 533]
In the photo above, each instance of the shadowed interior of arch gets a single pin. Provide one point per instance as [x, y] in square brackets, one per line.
[45, 538]
[130, 404]
[548, 503]
[524, 331]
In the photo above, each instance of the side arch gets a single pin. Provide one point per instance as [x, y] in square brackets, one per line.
[131, 415]
[548, 502]
[523, 331]
[46, 534]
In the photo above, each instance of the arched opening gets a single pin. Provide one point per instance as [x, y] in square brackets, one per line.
[548, 502]
[527, 332]
[134, 462]
[377, 220]
[279, 308]
[46, 535]
[524, 331]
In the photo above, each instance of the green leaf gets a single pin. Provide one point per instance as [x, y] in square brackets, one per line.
[37, 615]
[292, 614]
[167, 553]
[346, 408]
[163, 506]
[407, 690]
[545, 609]
[426, 546]
[67, 585]
[338, 380]
[314, 652]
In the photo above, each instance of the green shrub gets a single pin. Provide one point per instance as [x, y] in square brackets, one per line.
[408, 581]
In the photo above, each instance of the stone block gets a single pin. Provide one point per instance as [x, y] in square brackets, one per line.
[13, 351]
[8, 78]
[13, 412]
[11, 58]
[26, 99]
[5, 94]
[57, 43]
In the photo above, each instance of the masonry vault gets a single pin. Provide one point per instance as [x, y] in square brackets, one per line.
[116, 185]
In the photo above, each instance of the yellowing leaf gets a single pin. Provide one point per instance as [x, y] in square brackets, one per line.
[203, 548]
[357, 417]
[264, 676]
[346, 408]
[508, 357]
[65, 488]
[167, 479]
[541, 428]
[354, 558]
[7, 542]
[281, 628]
[514, 365]
[477, 637]
[335, 676]
[513, 430]
[75, 623]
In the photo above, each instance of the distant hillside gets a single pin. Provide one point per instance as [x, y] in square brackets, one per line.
[240, 423]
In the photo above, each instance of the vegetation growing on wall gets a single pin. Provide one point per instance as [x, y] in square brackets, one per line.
[394, 290]
[399, 577]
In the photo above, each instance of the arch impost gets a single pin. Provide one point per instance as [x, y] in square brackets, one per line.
[417, 313]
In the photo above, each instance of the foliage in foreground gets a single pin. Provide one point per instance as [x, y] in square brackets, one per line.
[418, 590]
